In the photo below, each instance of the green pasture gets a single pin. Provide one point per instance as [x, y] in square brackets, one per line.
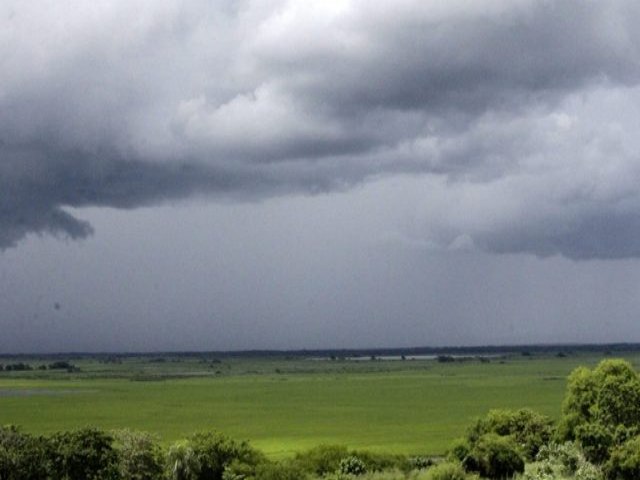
[283, 406]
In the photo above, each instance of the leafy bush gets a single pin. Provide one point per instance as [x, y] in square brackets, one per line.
[459, 450]
[588, 471]
[624, 462]
[609, 396]
[568, 457]
[182, 462]
[215, 451]
[420, 463]
[22, 457]
[86, 453]
[529, 429]
[446, 471]
[322, 459]
[280, 471]
[494, 456]
[139, 456]
[596, 440]
[375, 462]
[352, 465]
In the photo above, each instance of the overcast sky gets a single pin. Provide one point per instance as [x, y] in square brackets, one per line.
[318, 174]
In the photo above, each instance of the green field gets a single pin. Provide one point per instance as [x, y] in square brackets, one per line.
[287, 405]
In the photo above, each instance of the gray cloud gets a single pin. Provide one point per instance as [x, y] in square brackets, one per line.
[523, 112]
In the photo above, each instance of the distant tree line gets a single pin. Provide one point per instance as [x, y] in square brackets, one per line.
[57, 365]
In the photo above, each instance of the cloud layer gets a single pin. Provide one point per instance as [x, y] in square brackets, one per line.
[525, 112]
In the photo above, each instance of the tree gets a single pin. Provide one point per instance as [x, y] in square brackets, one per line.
[139, 456]
[530, 430]
[85, 454]
[494, 456]
[22, 457]
[182, 462]
[601, 408]
[215, 452]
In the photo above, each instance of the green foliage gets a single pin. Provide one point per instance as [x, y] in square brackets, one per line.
[22, 457]
[561, 461]
[182, 462]
[352, 465]
[285, 470]
[215, 452]
[85, 454]
[567, 456]
[420, 463]
[494, 456]
[609, 396]
[322, 459]
[139, 456]
[596, 440]
[624, 462]
[446, 471]
[530, 430]
[376, 461]
[459, 450]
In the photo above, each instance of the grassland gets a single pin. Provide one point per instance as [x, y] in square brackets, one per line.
[283, 405]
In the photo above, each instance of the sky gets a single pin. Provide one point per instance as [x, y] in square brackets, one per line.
[318, 174]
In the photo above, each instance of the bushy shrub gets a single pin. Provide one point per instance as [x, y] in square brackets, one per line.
[86, 454]
[588, 471]
[567, 456]
[420, 463]
[601, 406]
[322, 459]
[624, 462]
[561, 461]
[375, 461]
[22, 457]
[446, 471]
[139, 456]
[352, 465]
[494, 456]
[182, 462]
[459, 450]
[530, 430]
[286, 470]
[215, 451]
[596, 440]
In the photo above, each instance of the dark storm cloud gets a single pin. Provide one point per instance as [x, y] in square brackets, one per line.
[134, 103]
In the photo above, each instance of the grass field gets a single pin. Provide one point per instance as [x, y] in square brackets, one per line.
[287, 405]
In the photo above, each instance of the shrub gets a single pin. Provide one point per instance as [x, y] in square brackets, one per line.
[85, 454]
[459, 450]
[596, 440]
[567, 456]
[624, 462]
[529, 429]
[446, 471]
[139, 456]
[215, 451]
[608, 396]
[352, 465]
[279, 471]
[375, 462]
[22, 457]
[420, 463]
[494, 456]
[322, 459]
[182, 462]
